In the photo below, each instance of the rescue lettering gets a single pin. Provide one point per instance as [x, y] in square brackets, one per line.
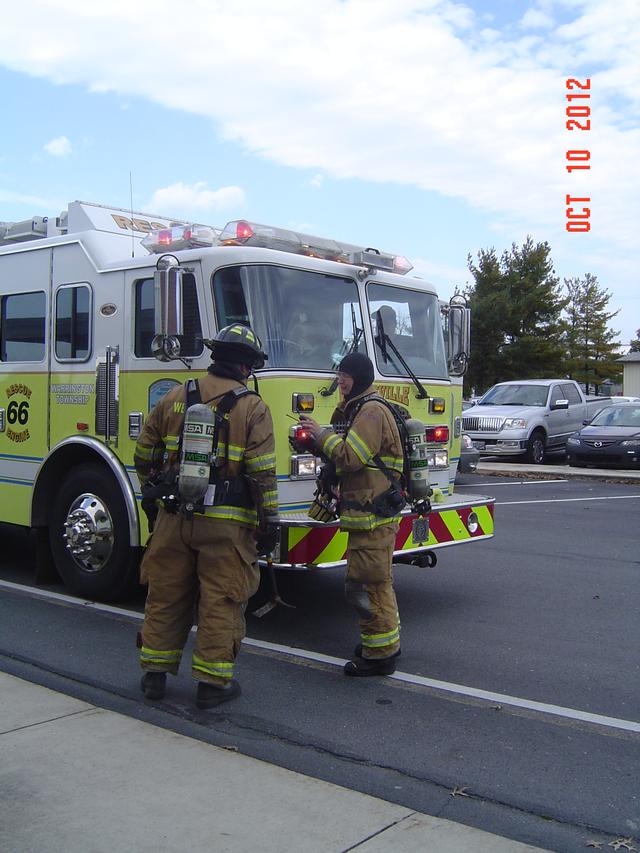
[19, 389]
[394, 393]
[135, 224]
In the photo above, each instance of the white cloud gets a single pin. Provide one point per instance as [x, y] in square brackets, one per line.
[536, 19]
[317, 181]
[190, 199]
[58, 147]
[416, 92]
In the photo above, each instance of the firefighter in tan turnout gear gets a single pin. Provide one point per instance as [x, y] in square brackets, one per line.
[206, 551]
[368, 460]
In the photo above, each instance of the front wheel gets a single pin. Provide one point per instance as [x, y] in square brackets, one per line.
[89, 535]
[536, 448]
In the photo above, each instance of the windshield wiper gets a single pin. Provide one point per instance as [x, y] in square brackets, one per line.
[355, 343]
[383, 341]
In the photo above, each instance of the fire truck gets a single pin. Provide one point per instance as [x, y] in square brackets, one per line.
[103, 310]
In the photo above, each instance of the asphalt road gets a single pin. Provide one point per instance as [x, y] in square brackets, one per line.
[516, 707]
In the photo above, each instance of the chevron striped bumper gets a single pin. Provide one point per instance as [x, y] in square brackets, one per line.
[306, 544]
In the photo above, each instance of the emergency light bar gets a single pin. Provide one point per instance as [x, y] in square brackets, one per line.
[243, 233]
[180, 237]
[240, 232]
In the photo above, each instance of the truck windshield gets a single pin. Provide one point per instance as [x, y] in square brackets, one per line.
[411, 319]
[515, 395]
[305, 320]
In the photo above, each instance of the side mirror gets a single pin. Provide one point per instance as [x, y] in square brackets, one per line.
[168, 308]
[559, 404]
[458, 336]
[586, 422]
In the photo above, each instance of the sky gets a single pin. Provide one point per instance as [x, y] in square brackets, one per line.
[428, 128]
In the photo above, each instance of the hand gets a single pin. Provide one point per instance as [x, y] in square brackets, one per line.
[310, 425]
[266, 540]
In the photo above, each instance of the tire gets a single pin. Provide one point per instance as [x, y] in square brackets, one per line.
[536, 448]
[107, 569]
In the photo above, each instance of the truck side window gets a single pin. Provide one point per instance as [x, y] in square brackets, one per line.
[72, 327]
[556, 394]
[144, 323]
[570, 393]
[22, 326]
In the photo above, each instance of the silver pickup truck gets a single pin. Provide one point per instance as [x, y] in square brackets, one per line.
[530, 417]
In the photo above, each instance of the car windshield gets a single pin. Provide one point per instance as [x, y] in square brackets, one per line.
[516, 395]
[618, 416]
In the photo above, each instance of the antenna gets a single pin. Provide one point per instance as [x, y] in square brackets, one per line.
[131, 209]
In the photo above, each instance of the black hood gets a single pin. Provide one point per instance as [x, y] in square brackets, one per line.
[360, 367]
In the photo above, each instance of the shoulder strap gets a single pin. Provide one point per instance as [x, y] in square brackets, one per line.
[192, 393]
[221, 411]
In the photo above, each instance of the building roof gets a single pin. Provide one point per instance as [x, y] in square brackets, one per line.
[630, 356]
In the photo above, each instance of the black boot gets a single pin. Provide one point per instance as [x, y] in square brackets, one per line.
[363, 667]
[210, 695]
[357, 652]
[153, 684]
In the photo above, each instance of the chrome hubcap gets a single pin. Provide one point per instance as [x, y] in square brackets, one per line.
[88, 532]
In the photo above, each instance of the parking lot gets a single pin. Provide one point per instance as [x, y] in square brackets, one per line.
[516, 707]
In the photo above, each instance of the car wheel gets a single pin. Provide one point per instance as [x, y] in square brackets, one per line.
[89, 535]
[536, 448]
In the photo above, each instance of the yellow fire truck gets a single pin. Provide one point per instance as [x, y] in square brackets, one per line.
[103, 310]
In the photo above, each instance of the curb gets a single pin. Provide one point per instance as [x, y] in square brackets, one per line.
[541, 472]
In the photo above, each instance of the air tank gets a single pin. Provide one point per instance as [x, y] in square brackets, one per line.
[195, 458]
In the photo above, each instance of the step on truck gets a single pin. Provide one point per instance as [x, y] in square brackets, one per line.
[103, 310]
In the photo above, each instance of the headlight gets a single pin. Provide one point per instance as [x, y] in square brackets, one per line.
[438, 459]
[515, 423]
[466, 442]
[303, 467]
[631, 442]
[573, 440]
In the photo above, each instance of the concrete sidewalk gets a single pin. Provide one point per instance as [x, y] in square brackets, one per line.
[488, 467]
[78, 778]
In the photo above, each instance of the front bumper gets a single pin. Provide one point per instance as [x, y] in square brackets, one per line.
[307, 544]
[613, 456]
[491, 446]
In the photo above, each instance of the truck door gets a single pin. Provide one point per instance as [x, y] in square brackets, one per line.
[557, 419]
[24, 377]
[577, 410]
[146, 379]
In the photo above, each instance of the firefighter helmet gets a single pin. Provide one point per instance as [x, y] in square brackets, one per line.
[238, 344]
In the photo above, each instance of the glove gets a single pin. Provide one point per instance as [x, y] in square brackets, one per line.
[266, 540]
[149, 505]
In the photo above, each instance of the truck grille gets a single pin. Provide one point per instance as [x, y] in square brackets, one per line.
[479, 424]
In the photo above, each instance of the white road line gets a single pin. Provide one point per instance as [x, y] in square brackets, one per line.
[512, 482]
[571, 500]
[407, 678]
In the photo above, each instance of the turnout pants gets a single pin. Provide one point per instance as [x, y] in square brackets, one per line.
[204, 563]
[369, 588]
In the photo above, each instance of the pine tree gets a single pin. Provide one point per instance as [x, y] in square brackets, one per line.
[591, 344]
[516, 307]
[635, 343]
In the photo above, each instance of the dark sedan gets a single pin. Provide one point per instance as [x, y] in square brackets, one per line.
[611, 439]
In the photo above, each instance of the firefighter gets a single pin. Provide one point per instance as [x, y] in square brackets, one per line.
[370, 506]
[207, 558]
